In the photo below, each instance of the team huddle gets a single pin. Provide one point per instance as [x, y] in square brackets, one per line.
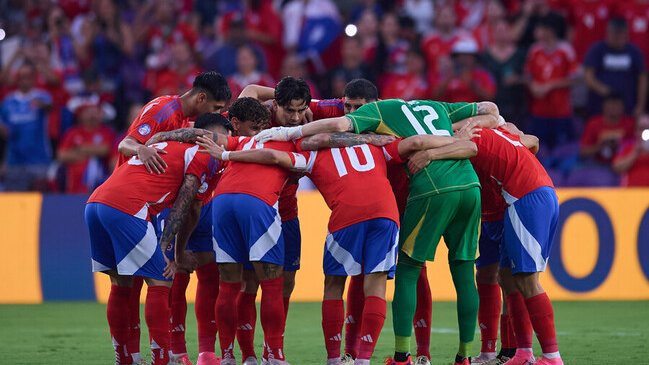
[219, 197]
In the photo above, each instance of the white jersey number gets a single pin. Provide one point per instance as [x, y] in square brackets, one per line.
[136, 161]
[515, 143]
[353, 159]
[430, 117]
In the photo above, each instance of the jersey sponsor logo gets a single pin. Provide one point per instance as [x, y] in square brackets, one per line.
[144, 130]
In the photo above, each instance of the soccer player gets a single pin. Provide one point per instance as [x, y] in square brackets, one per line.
[124, 244]
[200, 246]
[363, 233]
[529, 227]
[451, 184]
[209, 93]
[290, 101]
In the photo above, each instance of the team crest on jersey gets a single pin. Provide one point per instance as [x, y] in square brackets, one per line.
[203, 187]
[144, 130]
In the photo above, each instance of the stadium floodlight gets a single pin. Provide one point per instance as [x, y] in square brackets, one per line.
[351, 30]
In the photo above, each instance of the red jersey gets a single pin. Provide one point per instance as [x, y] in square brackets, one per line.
[405, 86]
[262, 181]
[328, 108]
[157, 39]
[588, 20]
[77, 137]
[168, 81]
[545, 65]
[505, 160]
[344, 175]
[597, 129]
[134, 190]
[638, 174]
[636, 14]
[435, 46]
[400, 182]
[493, 203]
[458, 90]
[237, 82]
[161, 114]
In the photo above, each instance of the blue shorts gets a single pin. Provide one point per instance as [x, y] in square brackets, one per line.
[122, 242]
[200, 239]
[246, 229]
[362, 248]
[491, 240]
[530, 224]
[292, 244]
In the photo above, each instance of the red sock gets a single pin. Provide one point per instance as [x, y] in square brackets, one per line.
[423, 315]
[272, 317]
[542, 317]
[373, 319]
[520, 320]
[507, 332]
[156, 315]
[353, 317]
[117, 314]
[332, 326]
[134, 315]
[178, 305]
[226, 316]
[206, 292]
[287, 302]
[488, 315]
[246, 324]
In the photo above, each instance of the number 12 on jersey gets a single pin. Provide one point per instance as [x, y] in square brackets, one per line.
[429, 118]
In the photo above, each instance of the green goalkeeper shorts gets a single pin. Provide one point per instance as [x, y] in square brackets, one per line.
[455, 215]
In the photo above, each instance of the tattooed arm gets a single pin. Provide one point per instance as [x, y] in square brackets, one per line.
[343, 139]
[193, 216]
[179, 212]
[187, 135]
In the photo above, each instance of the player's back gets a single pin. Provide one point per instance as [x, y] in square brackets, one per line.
[134, 190]
[262, 181]
[354, 184]
[506, 160]
[421, 117]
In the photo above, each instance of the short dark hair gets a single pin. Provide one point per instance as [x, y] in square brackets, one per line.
[209, 120]
[361, 89]
[249, 110]
[550, 22]
[213, 84]
[618, 23]
[291, 88]
[614, 96]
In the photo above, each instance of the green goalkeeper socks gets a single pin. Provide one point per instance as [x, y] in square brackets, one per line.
[467, 303]
[405, 300]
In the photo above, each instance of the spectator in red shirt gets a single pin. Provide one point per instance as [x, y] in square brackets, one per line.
[247, 72]
[263, 27]
[294, 67]
[632, 162]
[390, 54]
[439, 42]
[604, 134]
[587, 20]
[84, 151]
[551, 67]
[368, 30]
[465, 81]
[178, 76]
[484, 33]
[411, 85]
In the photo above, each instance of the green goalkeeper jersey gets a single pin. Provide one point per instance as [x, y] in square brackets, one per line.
[404, 119]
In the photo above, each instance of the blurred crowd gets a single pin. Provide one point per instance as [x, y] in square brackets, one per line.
[75, 72]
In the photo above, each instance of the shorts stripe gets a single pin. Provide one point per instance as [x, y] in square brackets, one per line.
[409, 243]
[530, 244]
[342, 256]
[390, 259]
[268, 240]
[140, 254]
[98, 266]
[221, 256]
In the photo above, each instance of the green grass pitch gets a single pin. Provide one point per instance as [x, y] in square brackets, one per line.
[76, 333]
